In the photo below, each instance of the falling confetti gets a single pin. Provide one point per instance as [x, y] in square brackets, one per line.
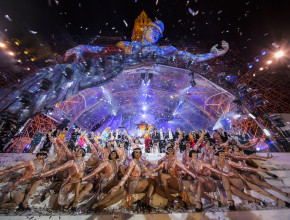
[193, 13]
[125, 23]
[33, 32]
[8, 18]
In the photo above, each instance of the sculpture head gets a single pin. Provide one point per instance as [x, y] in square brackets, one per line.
[153, 31]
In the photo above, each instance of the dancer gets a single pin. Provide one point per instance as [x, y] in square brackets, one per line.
[32, 168]
[136, 183]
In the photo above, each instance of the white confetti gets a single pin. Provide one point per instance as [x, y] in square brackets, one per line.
[193, 13]
[33, 32]
[8, 18]
[125, 23]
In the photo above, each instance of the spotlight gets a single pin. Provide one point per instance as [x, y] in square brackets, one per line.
[2, 45]
[261, 68]
[250, 65]
[205, 68]
[144, 108]
[263, 52]
[122, 58]
[243, 89]
[26, 97]
[143, 116]
[143, 76]
[189, 63]
[269, 62]
[150, 76]
[10, 53]
[173, 59]
[68, 73]
[45, 85]
[139, 56]
[279, 54]
[192, 83]
[258, 100]
[222, 78]
[154, 55]
[257, 59]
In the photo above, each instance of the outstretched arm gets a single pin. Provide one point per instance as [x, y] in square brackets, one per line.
[95, 171]
[183, 167]
[214, 52]
[13, 169]
[211, 168]
[55, 170]
[246, 168]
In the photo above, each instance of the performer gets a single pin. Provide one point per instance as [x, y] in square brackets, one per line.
[169, 136]
[32, 168]
[162, 142]
[205, 183]
[137, 184]
[147, 138]
[233, 184]
[75, 170]
[171, 178]
[155, 139]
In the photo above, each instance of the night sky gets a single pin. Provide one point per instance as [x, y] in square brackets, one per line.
[250, 25]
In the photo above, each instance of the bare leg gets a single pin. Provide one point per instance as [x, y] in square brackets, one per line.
[30, 190]
[148, 186]
[255, 179]
[227, 187]
[164, 179]
[265, 193]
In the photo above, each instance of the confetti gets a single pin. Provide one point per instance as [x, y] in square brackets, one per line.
[8, 18]
[193, 13]
[33, 32]
[125, 23]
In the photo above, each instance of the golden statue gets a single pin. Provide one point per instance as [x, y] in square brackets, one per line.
[140, 23]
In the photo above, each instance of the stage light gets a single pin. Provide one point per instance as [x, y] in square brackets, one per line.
[269, 62]
[68, 73]
[2, 45]
[250, 65]
[267, 133]
[236, 116]
[45, 85]
[263, 52]
[252, 116]
[144, 108]
[257, 59]
[189, 63]
[11, 53]
[192, 83]
[261, 68]
[150, 76]
[143, 116]
[154, 55]
[143, 76]
[279, 54]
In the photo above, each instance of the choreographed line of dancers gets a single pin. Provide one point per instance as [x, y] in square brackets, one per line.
[116, 170]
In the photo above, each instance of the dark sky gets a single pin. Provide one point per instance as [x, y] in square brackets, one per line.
[250, 25]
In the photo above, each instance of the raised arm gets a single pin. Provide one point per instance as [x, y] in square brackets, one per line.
[177, 144]
[56, 146]
[198, 143]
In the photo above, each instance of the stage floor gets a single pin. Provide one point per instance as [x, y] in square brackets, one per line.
[279, 165]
